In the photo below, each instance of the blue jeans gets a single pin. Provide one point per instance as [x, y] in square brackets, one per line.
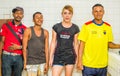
[12, 64]
[87, 71]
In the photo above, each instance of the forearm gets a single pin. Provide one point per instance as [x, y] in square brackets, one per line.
[76, 49]
[52, 49]
[47, 56]
[53, 44]
[47, 46]
[80, 52]
[24, 56]
[26, 36]
[76, 44]
[1, 46]
[113, 45]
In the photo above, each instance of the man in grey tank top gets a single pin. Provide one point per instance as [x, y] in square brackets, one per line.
[35, 47]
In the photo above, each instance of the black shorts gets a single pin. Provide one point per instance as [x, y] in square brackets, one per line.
[64, 60]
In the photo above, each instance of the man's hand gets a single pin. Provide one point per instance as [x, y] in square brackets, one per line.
[46, 68]
[14, 46]
[79, 66]
[50, 62]
[24, 67]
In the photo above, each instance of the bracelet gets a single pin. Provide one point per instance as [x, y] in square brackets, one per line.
[21, 47]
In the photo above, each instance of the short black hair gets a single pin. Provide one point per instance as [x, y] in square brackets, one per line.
[36, 13]
[97, 5]
[17, 9]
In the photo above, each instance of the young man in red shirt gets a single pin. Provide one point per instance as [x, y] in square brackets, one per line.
[11, 46]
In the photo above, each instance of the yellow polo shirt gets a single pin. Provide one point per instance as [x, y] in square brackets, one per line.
[96, 40]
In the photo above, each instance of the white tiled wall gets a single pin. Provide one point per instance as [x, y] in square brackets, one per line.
[51, 10]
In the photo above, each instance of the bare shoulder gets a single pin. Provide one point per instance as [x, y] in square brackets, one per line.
[27, 30]
[46, 32]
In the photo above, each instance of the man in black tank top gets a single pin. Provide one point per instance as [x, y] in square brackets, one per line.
[35, 47]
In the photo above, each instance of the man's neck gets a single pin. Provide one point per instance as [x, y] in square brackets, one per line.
[36, 27]
[98, 21]
[16, 22]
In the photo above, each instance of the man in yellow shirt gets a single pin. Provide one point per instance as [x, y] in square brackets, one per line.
[95, 38]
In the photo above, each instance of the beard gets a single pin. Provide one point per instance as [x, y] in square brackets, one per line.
[18, 19]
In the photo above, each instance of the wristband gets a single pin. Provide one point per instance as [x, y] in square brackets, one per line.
[21, 47]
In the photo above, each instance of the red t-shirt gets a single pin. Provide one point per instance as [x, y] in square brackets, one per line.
[10, 38]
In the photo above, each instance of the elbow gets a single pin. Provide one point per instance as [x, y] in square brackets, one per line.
[24, 50]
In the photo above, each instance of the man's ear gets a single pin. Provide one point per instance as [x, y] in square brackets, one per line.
[103, 11]
[23, 15]
[33, 20]
[13, 14]
[92, 12]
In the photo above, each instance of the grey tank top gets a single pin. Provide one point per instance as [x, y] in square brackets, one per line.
[36, 48]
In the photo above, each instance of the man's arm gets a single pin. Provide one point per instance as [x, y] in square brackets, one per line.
[80, 54]
[14, 46]
[1, 44]
[113, 45]
[52, 47]
[26, 36]
[46, 50]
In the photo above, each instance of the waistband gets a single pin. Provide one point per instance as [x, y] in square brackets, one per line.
[9, 53]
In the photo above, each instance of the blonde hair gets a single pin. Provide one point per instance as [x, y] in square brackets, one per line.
[68, 7]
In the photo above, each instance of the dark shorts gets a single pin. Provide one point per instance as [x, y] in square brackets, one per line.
[64, 60]
[87, 71]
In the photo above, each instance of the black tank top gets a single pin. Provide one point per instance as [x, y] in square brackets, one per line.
[36, 48]
[65, 37]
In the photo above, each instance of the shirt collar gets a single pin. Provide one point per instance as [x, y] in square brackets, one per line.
[14, 23]
[96, 23]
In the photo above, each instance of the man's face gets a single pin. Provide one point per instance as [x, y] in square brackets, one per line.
[38, 19]
[18, 15]
[98, 12]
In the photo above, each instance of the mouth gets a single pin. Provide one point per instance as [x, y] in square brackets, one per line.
[39, 22]
[67, 19]
[18, 18]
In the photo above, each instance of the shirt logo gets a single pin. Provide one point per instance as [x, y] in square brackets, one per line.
[94, 32]
[65, 35]
[20, 32]
[104, 32]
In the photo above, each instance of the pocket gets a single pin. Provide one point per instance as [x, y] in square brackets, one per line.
[6, 59]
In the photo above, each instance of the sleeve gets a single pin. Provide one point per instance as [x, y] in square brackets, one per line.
[110, 35]
[23, 29]
[55, 28]
[4, 30]
[83, 34]
[77, 30]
